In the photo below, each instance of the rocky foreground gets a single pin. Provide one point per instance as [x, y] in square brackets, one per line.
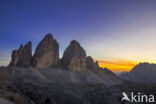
[44, 78]
[31, 86]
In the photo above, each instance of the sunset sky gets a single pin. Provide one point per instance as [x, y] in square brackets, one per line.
[117, 33]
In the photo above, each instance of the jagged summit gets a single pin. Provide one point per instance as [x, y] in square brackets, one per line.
[46, 53]
[75, 42]
[74, 57]
[22, 57]
[28, 47]
[48, 36]
[47, 56]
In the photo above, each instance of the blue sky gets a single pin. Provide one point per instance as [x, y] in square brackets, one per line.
[107, 29]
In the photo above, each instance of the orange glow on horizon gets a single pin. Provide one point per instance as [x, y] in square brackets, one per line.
[117, 65]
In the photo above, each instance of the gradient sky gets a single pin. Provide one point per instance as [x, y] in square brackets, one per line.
[118, 33]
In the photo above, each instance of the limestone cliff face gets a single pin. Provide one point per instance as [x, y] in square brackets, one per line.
[22, 57]
[47, 53]
[74, 57]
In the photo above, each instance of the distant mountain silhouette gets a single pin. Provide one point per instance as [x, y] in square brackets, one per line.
[142, 73]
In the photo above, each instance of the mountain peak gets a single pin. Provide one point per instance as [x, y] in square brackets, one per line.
[74, 57]
[75, 42]
[22, 57]
[49, 35]
[46, 53]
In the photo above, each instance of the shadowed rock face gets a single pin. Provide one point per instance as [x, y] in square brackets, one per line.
[74, 57]
[22, 57]
[91, 65]
[47, 53]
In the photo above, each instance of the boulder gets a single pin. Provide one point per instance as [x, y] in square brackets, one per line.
[47, 53]
[22, 57]
[74, 57]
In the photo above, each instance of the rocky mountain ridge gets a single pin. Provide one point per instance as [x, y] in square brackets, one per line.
[45, 65]
[47, 56]
[22, 57]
